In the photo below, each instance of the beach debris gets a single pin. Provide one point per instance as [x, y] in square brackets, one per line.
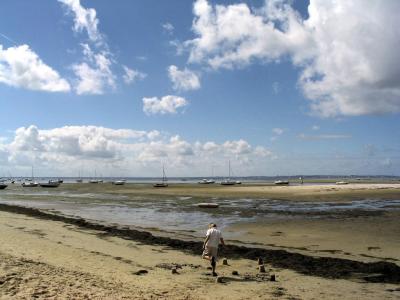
[225, 261]
[272, 278]
[174, 271]
[219, 279]
[260, 261]
[208, 205]
[261, 269]
[141, 272]
[235, 273]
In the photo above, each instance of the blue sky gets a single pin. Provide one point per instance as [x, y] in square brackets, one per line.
[277, 87]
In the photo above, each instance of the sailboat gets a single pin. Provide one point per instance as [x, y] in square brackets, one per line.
[163, 183]
[208, 181]
[31, 183]
[94, 180]
[79, 180]
[228, 181]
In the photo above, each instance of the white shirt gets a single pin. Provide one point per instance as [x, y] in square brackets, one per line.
[215, 235]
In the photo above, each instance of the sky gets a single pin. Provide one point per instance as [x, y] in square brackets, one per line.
[123, 87]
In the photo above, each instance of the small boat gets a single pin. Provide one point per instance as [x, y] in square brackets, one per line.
[60, 180]
[228, 181]
[50, 184]
[281, 182]
[93, 181]
[79, 180]
[238, 182]
[118, 182]
[208, 205]
[163, 183]
[341, 182]
[3, 186]
[206, 181]
[30, 184]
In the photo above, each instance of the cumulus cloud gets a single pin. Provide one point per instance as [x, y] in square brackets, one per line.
[94, 74]
[346, 50]
[134, 151]
[22, 67]
[183, 80]
[84, 19]
[131, 76]
[166, 105]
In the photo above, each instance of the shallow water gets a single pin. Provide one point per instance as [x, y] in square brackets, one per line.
[182, 213]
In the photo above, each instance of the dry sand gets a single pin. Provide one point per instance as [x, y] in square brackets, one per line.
[45, 259]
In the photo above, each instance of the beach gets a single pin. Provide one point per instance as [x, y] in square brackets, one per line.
[346, 248]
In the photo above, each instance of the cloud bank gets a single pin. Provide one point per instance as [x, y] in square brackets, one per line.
[130, 152]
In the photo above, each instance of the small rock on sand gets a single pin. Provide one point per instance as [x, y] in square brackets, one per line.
[261, 268]
[225, 261]
[141, 272]
[235, 273]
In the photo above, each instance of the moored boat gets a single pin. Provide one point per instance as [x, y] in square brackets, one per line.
[50, 184]
[163, 182]
[281, 182]
[3, 186]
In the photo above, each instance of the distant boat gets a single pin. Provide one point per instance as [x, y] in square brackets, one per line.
[206, 181]
[208, 205]
[95, 180]
[79, 180]
[50, 184]
[118, 182]
[281, 182]
[30, 182]
[3, 186]
[341, 182]
[228, 181]
[163, 183]
[60, 180]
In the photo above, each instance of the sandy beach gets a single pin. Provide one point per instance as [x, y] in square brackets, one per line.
[44, 256]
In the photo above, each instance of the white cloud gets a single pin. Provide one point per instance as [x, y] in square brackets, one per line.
[278, 131]
[315, 127]
[84, 19]
[183, 80]
[347, 51]
[94, 75]
[324, 136]
[131, 76]
[166, 105]
[94, 72]
[168, 27]
[127, 151]
[21, 67]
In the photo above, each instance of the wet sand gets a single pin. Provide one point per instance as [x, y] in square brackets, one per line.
[354, 256]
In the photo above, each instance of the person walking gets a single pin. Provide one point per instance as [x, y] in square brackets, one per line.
[210, 245]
